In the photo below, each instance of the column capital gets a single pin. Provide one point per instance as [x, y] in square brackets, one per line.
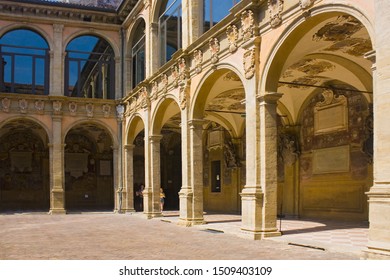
[155, 138]
[196, 123]
[269, 97]
[129, 147]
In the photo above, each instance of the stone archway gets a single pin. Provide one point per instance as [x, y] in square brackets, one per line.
[24, 167]
[89, 168]
[327, 88]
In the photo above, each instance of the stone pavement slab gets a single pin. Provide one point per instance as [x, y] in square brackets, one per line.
[107, 236]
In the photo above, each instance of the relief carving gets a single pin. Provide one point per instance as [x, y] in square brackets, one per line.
[247, 24]
[183, 71]
[288, 148]
[249, 63]
[184, 94]
[275, 8]
[164, 81]
[175, 75]
[214, 49]
[232, 36]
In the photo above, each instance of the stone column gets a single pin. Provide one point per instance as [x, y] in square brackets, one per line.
[185, 194]
[196, 148]
[152, 42]
[57, 182]
[259, 205]
[191, 21]
[155, 171]
[128, 192]
[57, 62]
[378, 246]
[116, 188]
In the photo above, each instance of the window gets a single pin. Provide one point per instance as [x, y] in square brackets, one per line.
[169, 26]
[215, 10]
[138, 55]
[24, 63]
[89, 68]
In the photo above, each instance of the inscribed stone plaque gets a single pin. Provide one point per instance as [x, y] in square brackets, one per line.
[21, 161]
[76, 164]
[331, 160]
[330, 118]
[105, 168]
[215, 138]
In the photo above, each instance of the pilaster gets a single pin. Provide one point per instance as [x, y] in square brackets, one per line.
[57, 182]
[128, 192]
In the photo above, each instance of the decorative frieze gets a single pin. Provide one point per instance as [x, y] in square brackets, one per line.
[198, 59]
[275, 8]
[214, 49]
[247, 25]
[249, 63]
[232, 36]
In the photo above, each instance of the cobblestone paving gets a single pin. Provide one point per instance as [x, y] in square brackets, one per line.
[106, 236]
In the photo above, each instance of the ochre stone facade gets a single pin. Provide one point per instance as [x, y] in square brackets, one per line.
[275, 107]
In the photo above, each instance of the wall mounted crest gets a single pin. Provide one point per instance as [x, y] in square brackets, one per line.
[23, 105]
[6, 104]
[232, 36]
[214, 49]
[89, 109]
[247, 24]
[73, 108]
[305, 3]
[39, 106]
[249, 63]
[154, 92]
[198, 59]
[106, 109]
[144, 98]
[275, 8]
[57, 107]
[183, 71]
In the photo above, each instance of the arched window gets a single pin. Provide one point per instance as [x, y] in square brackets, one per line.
[24, 62]
[89, 68]
[138, 55]
[169, 26]
[215, 10]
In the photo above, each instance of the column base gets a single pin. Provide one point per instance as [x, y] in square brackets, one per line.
[190, 222]
[57, 212]
[259, 235]
[377, 251]
[151, 215]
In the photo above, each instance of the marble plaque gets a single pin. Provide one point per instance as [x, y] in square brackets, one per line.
[215, 138]
[331, 160]
[330, 118]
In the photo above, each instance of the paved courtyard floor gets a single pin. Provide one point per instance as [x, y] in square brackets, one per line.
[108, 236]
